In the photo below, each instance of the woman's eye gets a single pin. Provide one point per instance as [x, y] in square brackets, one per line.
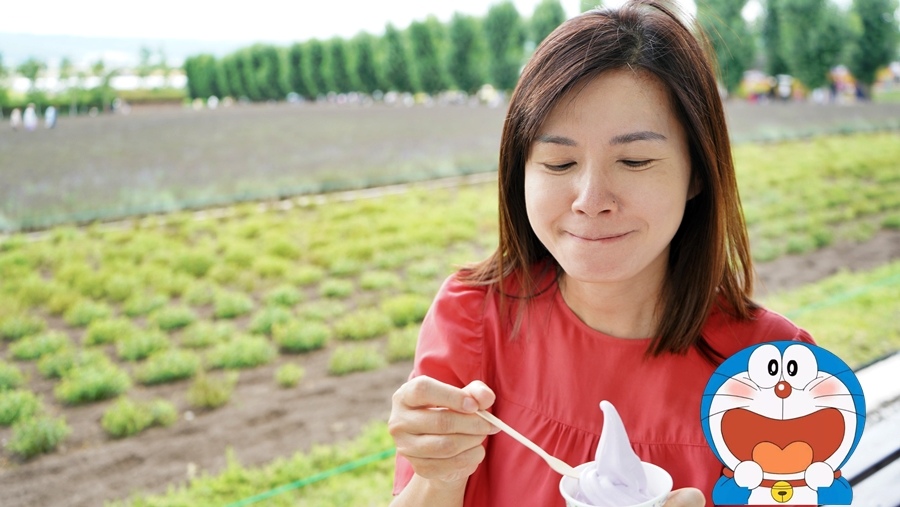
[560, 167]
[636, 163]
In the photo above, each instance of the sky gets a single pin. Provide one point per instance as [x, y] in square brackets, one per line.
[257, 20]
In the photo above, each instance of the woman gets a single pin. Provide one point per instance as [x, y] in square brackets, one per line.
[623, 273]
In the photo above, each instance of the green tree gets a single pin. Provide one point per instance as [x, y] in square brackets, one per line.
[548, 15]
[812, 35]
[244, 66]
[232, 74]
[771, 39]
[427, 44]
[202, 76]
[66, 69]
[399, 72]
[320, 67]
[29, 69]
[875, 44]
[730, 37]
[341, 61]
[506, 38]
[297, 75]
[220, 87]
[366, 68]
[265, 72]
[467, 61]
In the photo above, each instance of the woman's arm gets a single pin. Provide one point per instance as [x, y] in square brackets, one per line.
[421, 491]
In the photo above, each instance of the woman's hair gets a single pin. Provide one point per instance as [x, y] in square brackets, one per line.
[709, 256]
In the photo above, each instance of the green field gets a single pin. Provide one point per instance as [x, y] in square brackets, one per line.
[111, 315]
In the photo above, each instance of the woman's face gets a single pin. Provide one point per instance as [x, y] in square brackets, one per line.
[607, 179]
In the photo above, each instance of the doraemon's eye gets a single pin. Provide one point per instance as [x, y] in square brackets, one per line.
[801, 366]
[764, 366]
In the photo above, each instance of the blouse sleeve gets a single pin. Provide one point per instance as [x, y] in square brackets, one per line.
[449, 347]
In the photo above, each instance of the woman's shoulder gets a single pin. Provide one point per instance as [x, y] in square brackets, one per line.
[728, 334]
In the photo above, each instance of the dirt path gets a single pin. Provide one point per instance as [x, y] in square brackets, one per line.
[264, 422]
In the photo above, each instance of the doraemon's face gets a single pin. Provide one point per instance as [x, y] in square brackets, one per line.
[783, 412]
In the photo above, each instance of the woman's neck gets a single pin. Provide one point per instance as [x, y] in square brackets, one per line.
[623, 310]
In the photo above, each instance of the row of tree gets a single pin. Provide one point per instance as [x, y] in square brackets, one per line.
[428, 56]
[803, 38]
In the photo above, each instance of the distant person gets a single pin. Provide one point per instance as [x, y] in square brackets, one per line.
[29, 119]
[15, 119]
[50, 117]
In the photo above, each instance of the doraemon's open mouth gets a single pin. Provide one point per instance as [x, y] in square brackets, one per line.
[783, 446]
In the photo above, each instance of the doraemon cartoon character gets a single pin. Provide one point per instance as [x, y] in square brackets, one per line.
[783, 417]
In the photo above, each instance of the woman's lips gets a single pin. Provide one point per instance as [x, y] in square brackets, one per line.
[599, 237]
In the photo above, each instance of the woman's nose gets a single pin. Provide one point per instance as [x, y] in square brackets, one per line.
[593, 193]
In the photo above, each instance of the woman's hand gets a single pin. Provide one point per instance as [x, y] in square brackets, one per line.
[685, 497]
[435, 427]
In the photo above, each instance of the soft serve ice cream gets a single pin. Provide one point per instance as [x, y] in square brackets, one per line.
[616, 477]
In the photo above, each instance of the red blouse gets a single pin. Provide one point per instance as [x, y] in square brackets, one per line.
[549, 383]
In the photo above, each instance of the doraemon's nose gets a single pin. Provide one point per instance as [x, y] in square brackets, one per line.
[782, 389]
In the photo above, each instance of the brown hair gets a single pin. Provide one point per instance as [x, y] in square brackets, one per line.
[709, 257]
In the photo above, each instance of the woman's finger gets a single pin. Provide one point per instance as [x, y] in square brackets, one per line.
[685, 497]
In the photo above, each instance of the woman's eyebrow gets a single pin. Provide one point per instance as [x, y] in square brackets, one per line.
[549, 138]
[644, 135]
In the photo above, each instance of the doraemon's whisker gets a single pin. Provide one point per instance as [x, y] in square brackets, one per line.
[723, 411]
[849, 411]
[831, 395]
[720, 395]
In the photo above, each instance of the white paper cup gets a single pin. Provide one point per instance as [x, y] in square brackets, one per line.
[659, 484]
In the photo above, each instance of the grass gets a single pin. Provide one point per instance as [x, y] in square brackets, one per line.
[802, 196]
[11, 376]
[104, 331]
[401, 344]
[204, 334]
[347, 359]
[301, 336]
[142, 345]
[230, 304]
[212, 391]
[17, 405]
[82, 313]
[284, 295]
[368, 483]
[854, 315]
[173, 317]
[127, 417]
[241, 352]
[289, 375]
[91, 382]
[406, 309]
[16, 327]
[363, 324]
[38, 346]
[168, 366]
[336, 288]
[367, 270]
[266, 318]
[37, 435]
